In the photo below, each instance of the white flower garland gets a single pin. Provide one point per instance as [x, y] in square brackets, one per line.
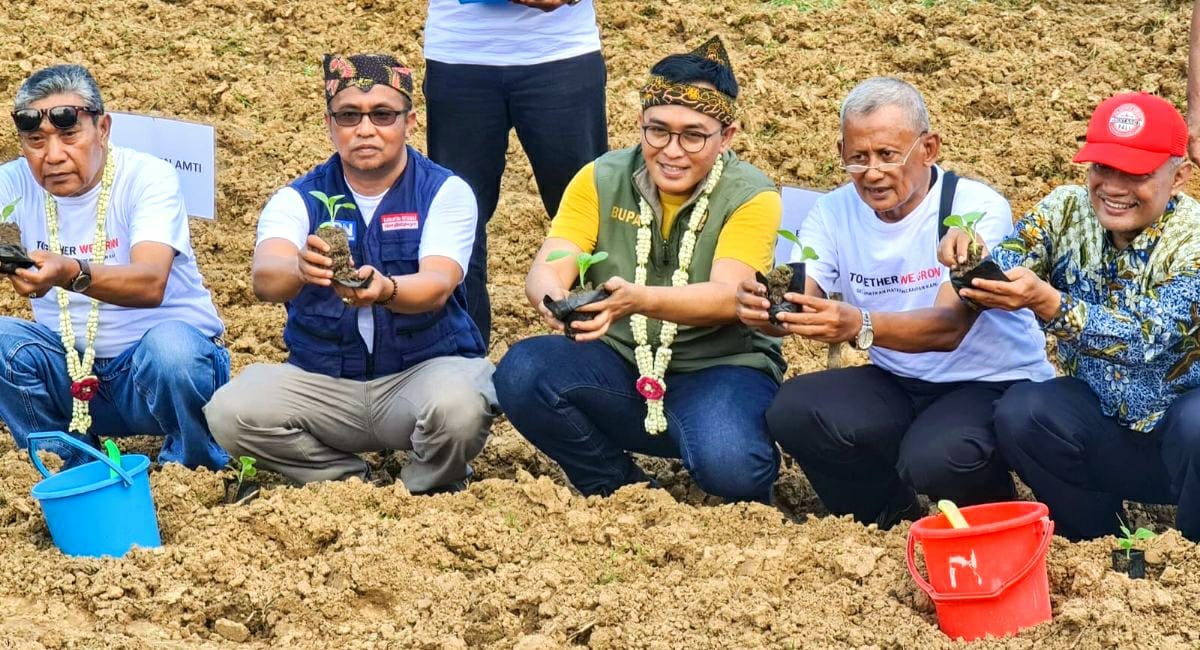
[652, 365]
[83, 383]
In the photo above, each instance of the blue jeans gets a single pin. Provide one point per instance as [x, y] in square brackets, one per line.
[558, 111]
[1083, 464]
[157, 386]
[577, 403]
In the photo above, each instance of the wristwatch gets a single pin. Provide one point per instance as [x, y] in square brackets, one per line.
[83, 280]
[866, 334]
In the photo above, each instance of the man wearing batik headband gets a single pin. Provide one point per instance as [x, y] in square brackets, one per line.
[1112, 270]
[393, 364]
[663, 367]
[125, 336]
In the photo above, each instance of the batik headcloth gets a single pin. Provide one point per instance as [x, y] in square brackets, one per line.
[363, 71]
[714, 103]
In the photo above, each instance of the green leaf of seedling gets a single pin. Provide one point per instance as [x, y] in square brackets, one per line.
[953, 221]
[808, 254]
[972, 218]
[554, 256]
[1124, 544]
[599, 257]
[790, 236]
[1143, 533]
[1125, 531]
[248, 468]
[584, 260]
[8, 210]
[320, 196]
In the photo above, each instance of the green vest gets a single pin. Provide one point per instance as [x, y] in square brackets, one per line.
[621, 179]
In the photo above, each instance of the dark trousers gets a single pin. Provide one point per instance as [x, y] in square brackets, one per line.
[577, 403]
[863, 435]
[558, 111]
[1082, 464]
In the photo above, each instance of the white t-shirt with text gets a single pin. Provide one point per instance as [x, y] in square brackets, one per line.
[145, 205]
[893, 267]
[508, 34]
[449, 228]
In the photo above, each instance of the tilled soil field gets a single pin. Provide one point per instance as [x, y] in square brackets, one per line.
[519, 561]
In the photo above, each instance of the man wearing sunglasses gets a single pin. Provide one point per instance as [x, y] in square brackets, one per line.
[394, 364]
[663, 367]
[125, 336]
[919, 418]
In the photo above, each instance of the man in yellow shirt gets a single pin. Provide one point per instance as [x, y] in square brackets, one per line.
[663, 367]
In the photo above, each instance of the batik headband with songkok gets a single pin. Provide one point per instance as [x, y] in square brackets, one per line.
[713, 103]
[363, 71]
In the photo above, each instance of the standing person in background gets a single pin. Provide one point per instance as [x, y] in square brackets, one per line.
[530, 64]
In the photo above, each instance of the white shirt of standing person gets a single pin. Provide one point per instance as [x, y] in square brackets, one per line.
[449, 229]
[145, 205]
[893, 267]
[507, 34]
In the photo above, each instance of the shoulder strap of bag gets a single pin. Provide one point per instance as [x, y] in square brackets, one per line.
[946, 204]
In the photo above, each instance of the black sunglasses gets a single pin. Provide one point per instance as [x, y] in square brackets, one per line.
[379, 117]
[62, 117]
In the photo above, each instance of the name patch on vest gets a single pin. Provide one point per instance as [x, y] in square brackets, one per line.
[399, 221]
[348, 226]
[626, 216]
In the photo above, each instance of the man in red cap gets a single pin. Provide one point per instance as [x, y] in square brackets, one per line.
[1111, 270]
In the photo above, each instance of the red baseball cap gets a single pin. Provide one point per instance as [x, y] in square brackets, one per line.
[1135, 133]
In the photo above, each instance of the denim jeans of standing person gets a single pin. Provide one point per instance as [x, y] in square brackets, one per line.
[157, 386]
[577, 403]
[558, 111]
[1083, 464]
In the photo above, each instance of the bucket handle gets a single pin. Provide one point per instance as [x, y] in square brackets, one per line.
[70, 441]
[1047, 535]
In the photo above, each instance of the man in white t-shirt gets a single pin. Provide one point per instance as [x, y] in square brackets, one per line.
[532, 65]
[919, 419]
[396, 363]
[125, 338]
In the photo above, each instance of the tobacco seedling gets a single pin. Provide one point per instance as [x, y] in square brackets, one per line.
[1131, 539]
[331, 206]
[966, 223]
[583, 260]
[807, 253]
[247, 471]
[6, 212]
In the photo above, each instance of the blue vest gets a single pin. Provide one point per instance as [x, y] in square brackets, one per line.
[322, 333]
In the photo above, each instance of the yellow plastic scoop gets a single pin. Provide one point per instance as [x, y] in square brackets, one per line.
[955, 517]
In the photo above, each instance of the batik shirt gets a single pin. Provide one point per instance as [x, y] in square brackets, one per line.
[1129, 324]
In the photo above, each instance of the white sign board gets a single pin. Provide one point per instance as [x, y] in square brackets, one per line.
[190, 147]
[797, 203]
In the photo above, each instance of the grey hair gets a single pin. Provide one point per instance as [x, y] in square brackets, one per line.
[877, 92]
[67, 78]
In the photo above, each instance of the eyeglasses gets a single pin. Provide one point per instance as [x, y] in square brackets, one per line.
[689, 141]
[884, 167]
[379, 117]
[62, 117]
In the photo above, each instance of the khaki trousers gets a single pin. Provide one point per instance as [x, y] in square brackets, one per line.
[310, 427]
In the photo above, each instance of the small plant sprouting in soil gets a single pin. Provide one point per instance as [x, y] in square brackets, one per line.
[247, 469]
[1132, 538]
[807, 253]
[966, 223]
[332, 207]
[583, 260]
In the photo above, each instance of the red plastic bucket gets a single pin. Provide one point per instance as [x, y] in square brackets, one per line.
[988, 578]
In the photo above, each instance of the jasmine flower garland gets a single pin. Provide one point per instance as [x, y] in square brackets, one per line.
[83, 382]
[652, 366]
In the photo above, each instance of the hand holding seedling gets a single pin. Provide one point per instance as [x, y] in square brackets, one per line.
[555, 294]
[314, 265]
[827, 321]
[624, 298]
[378, 290]
[752, 305]
[961, 239]
[1024, 289]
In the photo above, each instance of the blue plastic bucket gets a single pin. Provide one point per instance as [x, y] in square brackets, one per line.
[96, 509]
